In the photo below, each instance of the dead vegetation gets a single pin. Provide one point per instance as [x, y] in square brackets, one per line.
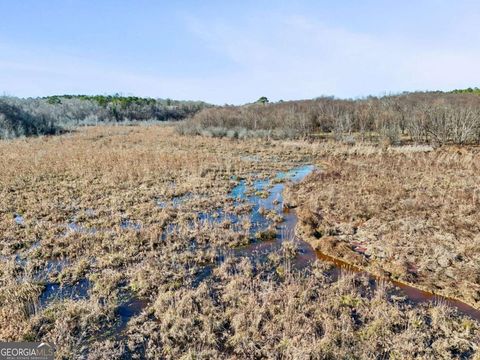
[127, 213]
[431, 117]
[410, 215]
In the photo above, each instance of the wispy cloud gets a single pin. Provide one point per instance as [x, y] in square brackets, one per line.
[279, 55]
[295, 56]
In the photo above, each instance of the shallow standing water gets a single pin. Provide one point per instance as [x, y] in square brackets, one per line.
[262, 195]
[274, 201]
[286, 230]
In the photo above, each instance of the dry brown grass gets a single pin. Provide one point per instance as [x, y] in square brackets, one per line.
[413, 215]
[100, 177]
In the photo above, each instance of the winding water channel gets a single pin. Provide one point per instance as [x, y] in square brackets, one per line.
[264, 196]
[307, 254]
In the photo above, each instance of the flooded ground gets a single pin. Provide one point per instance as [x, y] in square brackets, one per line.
[306, 254]
[264, 196]
[271, 199]
[187, 250]
[57, 292]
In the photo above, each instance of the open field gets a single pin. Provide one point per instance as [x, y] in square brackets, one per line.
[134, 241]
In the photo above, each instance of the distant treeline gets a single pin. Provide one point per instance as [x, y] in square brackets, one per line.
[474, 90]
[422, 117]
[49, 115]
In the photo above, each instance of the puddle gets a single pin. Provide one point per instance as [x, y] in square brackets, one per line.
[129, 307]
[52, 266]
[204, 273]
[127, 310]
[75, 227]
[19, 219]
[130, 225]
[219, 216]
[54, 291]
[169, 230]
[239, 191]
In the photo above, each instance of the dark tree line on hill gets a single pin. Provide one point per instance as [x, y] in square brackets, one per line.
[50, 115]
[421, 117]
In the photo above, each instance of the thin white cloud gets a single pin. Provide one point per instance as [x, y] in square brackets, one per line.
[281, 57]
[297, 57]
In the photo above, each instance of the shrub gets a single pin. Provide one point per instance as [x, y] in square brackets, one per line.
[433, 117]
[26, 117]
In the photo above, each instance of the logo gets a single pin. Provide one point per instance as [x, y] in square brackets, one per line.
[26, 351]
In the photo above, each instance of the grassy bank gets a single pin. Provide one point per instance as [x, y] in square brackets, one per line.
[406, 212]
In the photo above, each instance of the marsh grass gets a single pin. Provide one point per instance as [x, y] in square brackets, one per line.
[408, 212]
[199, 298]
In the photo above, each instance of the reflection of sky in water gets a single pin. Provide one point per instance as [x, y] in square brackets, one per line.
[245, 194]
[128, 224]
[297, 174]
[19, 219]
[133, 306]
[129, 308]
[274, 199]
[53, 291]
[74, 227]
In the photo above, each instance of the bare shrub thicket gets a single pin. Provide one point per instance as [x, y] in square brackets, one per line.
[40, 116]
[421, 117]
[16, 121]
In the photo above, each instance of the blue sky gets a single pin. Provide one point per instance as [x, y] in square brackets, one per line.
[234, 52]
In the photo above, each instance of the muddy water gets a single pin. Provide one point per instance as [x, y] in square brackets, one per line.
[413, 294]
[306, 254]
